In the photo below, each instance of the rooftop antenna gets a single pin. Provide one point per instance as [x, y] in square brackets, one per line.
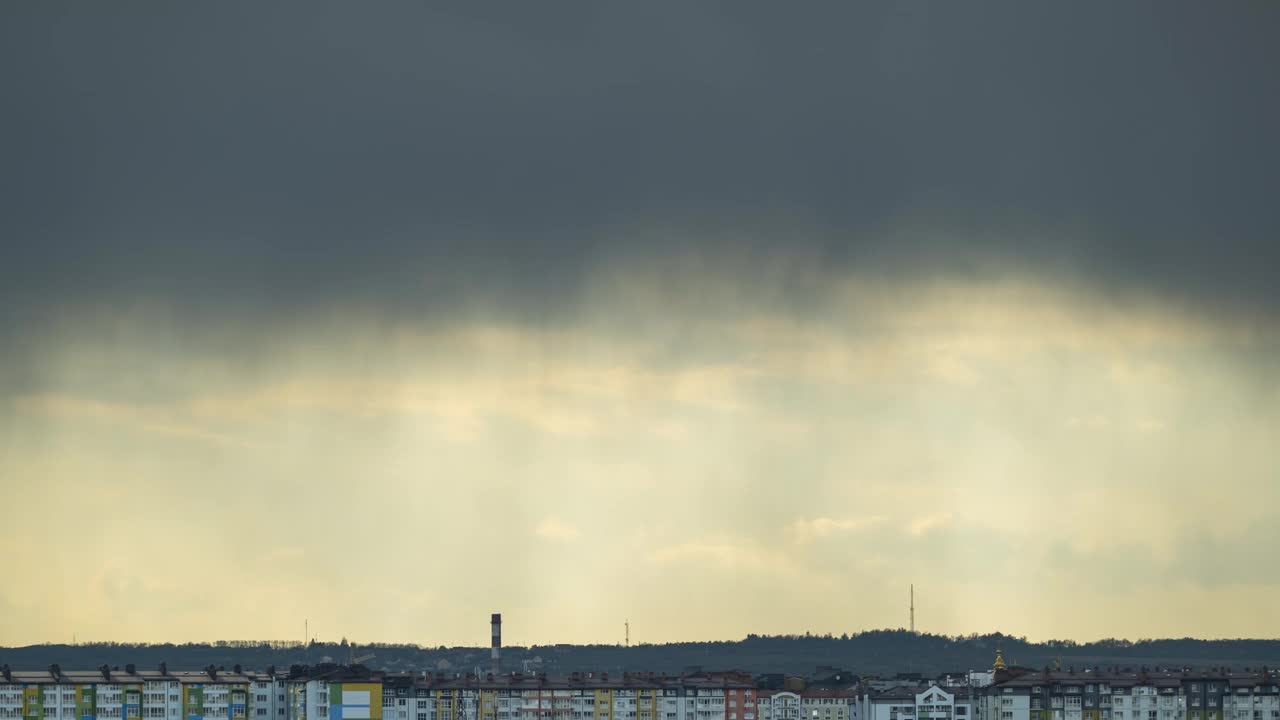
[913, 608]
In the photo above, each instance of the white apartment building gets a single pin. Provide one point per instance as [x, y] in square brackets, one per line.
[918, 703]
[779, 705]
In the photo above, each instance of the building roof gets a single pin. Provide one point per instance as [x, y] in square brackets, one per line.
[827, 693]
[340, 673]
[909, 692]
[1129, 678]
[901, 692]
[770, 692]
[137, 677]
[535, 681]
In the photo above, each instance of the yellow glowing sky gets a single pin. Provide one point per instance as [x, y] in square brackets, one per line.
[684, 451]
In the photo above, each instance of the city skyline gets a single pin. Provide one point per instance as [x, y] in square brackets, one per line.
[336, 692]
[714, 320]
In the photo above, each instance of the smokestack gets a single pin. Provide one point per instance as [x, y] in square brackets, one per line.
[495, 649]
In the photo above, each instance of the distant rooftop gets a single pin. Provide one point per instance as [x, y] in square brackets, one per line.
[340, 673]
[1129, 677]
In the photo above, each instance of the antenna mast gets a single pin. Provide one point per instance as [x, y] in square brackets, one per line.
[627, 626]
[913, 608]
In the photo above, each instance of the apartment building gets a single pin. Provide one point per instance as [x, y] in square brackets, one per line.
[820, 704]
[133, 694]
[779, 704]
[580, 696]
[334, 692]
[810, 704]
[1124, 695]
[919, 702]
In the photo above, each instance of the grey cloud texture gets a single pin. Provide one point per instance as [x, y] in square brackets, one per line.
[241, 159]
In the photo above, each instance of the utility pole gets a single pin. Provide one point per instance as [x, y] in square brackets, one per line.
[913, 608]
[627, 628]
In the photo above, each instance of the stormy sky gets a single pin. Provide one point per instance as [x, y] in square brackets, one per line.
[720, 317]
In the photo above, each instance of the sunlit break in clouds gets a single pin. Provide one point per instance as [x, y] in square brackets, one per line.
[723, 319]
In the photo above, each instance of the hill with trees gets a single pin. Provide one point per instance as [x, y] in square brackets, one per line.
[872, 652]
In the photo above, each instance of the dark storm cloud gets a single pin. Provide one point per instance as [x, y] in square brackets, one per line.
[253, 156]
